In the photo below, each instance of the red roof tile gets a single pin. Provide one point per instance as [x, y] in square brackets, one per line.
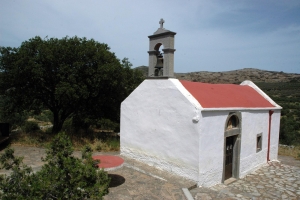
[226, 95]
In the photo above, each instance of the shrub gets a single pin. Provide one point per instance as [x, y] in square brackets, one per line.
[63, 177]
[42, 117]
[67, 126]
[107, 124]
[98, 145]
[114, 144]
[49, 115]
[30, 126]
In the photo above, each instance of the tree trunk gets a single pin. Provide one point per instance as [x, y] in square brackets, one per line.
[57, 123]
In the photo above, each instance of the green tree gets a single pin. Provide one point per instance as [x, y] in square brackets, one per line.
[68, 76]
[62, 177]
[9, 115]
[130, 79]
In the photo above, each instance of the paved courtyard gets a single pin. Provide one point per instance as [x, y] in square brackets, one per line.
[135, 180]
[274, 181]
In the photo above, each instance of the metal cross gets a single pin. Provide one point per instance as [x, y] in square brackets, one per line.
[161, 22]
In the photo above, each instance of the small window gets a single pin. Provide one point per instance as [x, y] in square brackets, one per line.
[258, 142]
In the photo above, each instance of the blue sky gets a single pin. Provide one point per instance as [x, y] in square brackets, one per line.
[214, 35]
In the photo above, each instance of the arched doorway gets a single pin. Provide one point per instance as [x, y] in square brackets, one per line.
[232, 138]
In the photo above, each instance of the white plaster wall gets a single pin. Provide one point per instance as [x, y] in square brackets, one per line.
[253, 123]
[211, 148]
[275, 125]
[274, 140]
[157, 127]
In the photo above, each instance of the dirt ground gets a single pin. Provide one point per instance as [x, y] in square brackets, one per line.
[288, 160]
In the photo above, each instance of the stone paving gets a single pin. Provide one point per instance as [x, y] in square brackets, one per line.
[135, 180]
[274, 181]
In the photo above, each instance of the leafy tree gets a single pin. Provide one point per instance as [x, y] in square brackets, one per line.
[8, 113]
[62, 177]
[68, 76]
[131, 78]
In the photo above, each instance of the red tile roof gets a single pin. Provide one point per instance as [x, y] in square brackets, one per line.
[226, 95]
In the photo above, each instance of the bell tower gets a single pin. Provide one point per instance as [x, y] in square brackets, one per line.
[161, 64]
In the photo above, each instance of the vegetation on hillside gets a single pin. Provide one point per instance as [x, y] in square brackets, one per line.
[287, 95]
[234, 76]
[238, 76]
[62, 177]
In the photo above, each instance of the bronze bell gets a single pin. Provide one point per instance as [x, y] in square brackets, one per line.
[160, 61]
[159, 65]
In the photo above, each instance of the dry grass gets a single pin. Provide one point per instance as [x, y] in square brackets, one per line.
[110, 145]
[36, 139]
[42, 139]
[290, 151]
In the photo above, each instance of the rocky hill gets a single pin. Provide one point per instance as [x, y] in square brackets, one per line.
[235, 76]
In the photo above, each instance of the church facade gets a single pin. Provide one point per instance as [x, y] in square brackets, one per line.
[204, 132]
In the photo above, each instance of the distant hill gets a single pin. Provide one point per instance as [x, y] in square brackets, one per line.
[143, 69]
[235, 76]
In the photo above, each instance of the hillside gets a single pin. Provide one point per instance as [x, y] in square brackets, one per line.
[235, 76]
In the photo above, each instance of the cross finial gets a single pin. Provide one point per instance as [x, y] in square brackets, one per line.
[161, 22]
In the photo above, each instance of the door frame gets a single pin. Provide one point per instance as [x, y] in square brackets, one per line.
[235, 131]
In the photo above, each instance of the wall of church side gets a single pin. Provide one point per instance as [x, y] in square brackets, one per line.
[211, 148]
[157, 128]
[275, 135]
[253, 123]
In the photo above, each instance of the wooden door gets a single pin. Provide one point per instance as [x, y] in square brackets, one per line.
[229, 156]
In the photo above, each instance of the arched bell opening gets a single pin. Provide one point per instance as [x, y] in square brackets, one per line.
[157, 46]
[158, 68]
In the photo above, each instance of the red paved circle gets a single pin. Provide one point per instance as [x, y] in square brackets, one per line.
[107, 161]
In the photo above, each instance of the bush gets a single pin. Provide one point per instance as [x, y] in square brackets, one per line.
[63, 177]
[30, 126]
[42, 117]
[49, 115]
[107, 124]
[67, 126]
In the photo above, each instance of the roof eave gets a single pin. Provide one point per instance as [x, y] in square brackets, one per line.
[241, 108]
[262, 93]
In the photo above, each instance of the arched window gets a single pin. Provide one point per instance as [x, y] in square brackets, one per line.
[233, 122]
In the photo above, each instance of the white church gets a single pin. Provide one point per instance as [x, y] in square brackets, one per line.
[204, 132]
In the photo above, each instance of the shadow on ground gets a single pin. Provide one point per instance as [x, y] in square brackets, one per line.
[116, 180]
[4, 144]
